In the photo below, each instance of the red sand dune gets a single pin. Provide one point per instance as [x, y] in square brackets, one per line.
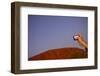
[62, 53]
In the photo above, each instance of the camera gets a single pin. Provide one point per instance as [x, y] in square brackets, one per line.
[75, 37]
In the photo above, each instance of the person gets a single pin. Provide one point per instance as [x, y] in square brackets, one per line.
[81, 41]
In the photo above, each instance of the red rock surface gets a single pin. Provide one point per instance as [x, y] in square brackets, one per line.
[62, 53]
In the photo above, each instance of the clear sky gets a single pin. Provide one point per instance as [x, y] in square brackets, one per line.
[51, 32]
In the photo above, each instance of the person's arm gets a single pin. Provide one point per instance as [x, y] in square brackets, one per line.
[81, 41]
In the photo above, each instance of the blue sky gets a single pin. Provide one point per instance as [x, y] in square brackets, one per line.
[51, 32]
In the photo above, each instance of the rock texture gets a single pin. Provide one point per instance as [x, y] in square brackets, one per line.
[62, 53]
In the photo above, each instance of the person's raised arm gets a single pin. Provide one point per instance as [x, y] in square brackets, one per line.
[81, 41]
